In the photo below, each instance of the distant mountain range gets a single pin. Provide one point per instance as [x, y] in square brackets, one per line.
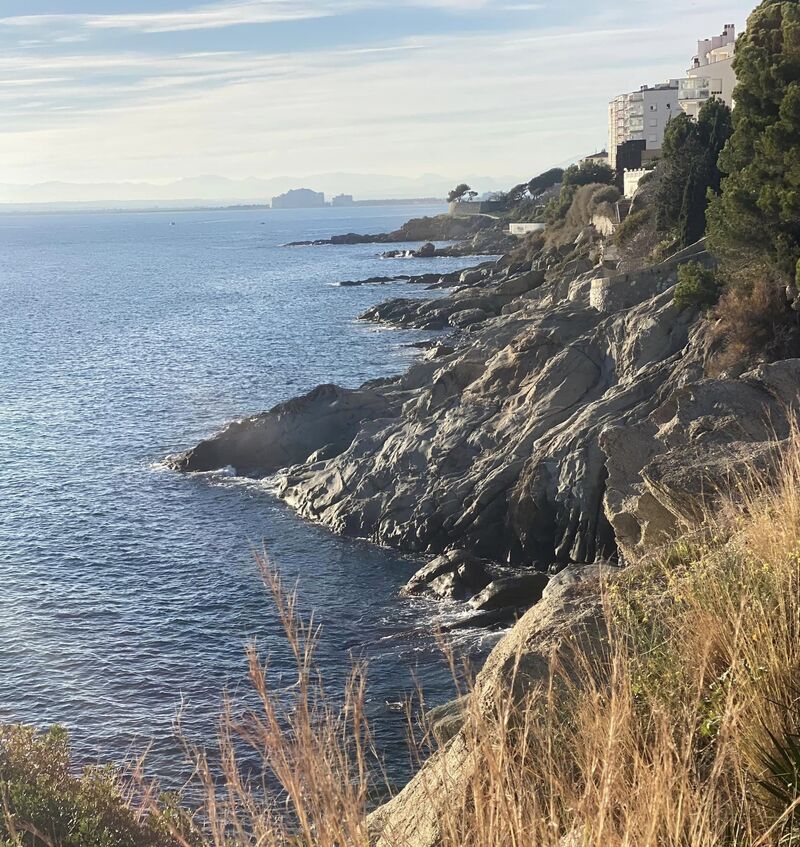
[218, 190]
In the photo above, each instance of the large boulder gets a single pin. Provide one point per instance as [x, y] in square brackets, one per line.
[320, 423]
[704, 440]
[455, 575]
[511, 592]
[467, 317]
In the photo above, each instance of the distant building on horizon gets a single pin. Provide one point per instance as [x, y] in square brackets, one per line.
[642, 116]
[711, 73]
[299, 198]
[343, 200]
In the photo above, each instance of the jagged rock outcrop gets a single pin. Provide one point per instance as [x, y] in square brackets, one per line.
[492, 444]
[317, 425]
[455, 575]
[439, 228]
[544, 432]
[700, 442]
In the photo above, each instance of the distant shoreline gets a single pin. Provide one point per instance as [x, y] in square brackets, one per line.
[67, 207]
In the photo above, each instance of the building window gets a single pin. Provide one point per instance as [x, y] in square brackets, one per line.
[654, 107]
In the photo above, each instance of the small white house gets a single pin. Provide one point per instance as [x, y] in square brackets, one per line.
[521, 230]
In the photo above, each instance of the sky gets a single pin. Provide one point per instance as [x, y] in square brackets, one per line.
[110, 91]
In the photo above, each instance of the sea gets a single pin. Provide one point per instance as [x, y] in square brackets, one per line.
[129, 593]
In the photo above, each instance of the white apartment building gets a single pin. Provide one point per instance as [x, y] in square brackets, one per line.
[642, 115]
[711, 73]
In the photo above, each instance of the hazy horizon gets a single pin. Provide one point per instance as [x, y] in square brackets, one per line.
[214, 189]
[260, 91]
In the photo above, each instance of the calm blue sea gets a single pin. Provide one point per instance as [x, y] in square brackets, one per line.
[126, 590]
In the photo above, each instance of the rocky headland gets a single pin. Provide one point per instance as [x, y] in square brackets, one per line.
[472, 236]
[566, 420]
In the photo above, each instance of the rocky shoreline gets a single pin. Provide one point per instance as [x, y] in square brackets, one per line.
[472, 236]
[565, 421]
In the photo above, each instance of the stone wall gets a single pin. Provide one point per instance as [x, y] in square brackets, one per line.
[621, 291]
[467, 209]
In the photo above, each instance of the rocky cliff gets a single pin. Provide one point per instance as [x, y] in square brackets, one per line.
[566, 420]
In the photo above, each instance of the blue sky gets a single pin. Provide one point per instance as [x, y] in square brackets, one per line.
[156, 90]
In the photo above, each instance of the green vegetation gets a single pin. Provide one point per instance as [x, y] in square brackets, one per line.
[607, 195]
[697, 286]
[545, 180]
[575, 177]
[630, 226]
[43, 802]
[756, 219]
[461, 192]
[689, 171]
[588, 173]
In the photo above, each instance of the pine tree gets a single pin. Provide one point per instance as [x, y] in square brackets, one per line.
[690, 171]
[756, 219]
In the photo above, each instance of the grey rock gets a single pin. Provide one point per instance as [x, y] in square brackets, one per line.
[670, 468]
[467, 317]
[455, 575]
[511, 592]
[553, 433]
[471, 277]
[446, 721]
[566, 626]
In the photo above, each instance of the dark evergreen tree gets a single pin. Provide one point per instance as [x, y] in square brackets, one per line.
[756, 219]
[690, 171]
[588, 173]
[545, 180]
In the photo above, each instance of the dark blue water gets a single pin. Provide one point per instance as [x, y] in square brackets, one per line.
[125, 589]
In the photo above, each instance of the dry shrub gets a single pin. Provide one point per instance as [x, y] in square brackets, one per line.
[577, 216]
[753, 323]
[527, 250]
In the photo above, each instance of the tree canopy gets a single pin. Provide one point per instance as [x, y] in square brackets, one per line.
[459, 192]
[588, 173]
[690, 171]
[545, 180]
[757, 216]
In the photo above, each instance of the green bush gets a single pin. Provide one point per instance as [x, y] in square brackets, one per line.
[47, 803]
[630, 226]
[606, 194]
[556, 210]
[697, 286]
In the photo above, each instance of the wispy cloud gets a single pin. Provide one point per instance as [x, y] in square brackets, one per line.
[499, 98]
[241, 12]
